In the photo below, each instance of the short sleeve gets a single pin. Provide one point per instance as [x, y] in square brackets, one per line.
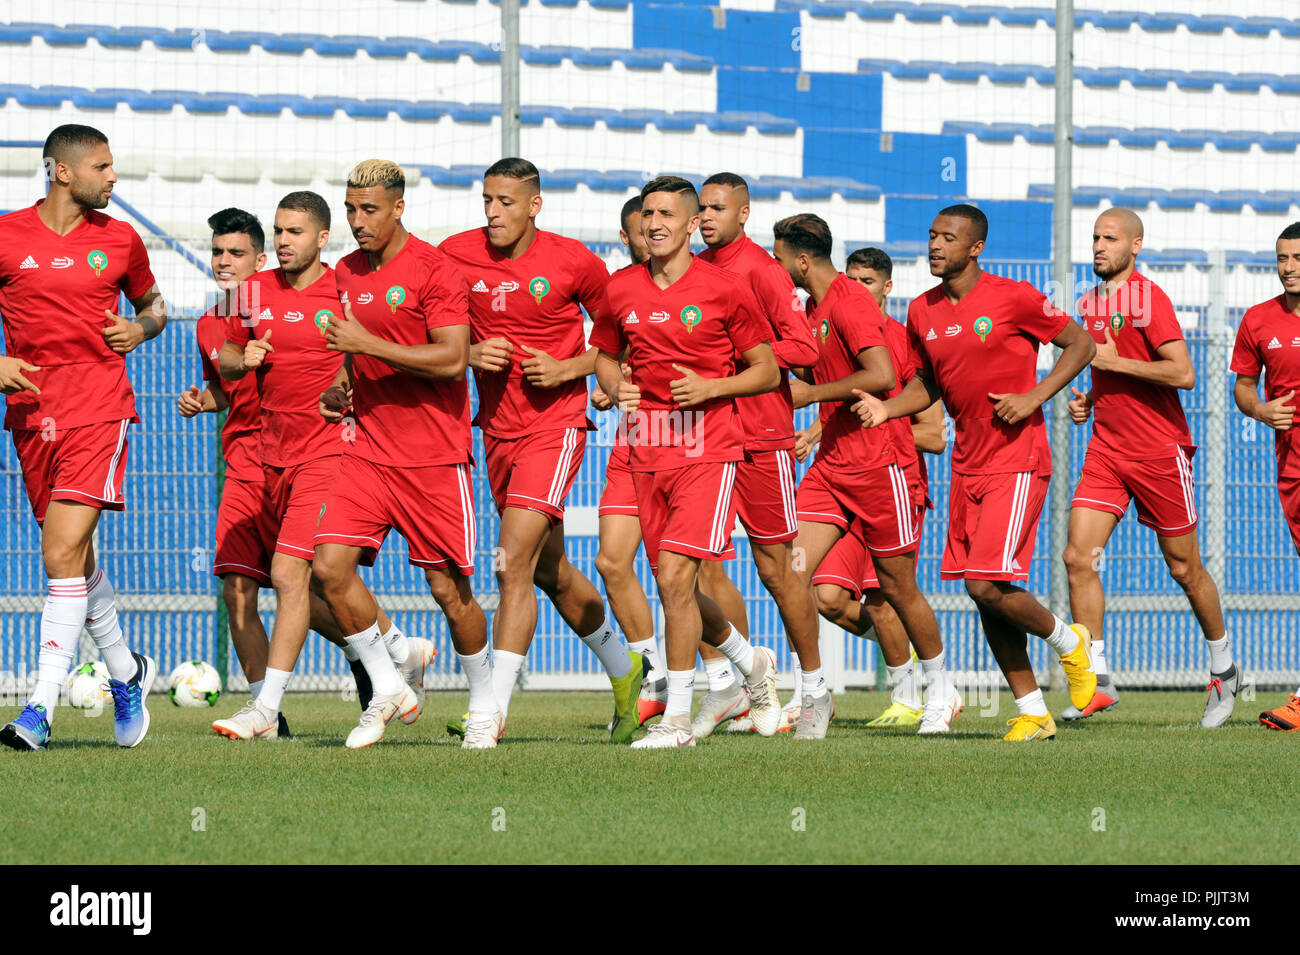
[606, 330]
[1245, 351]
[139, 276]
[444, 300]
[747, 325]
[239, 326]
[920, 361]
[591, 281]
[860, 330]
[1164, 326]
[1037, 316]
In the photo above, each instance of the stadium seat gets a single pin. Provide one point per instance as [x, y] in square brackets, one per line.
[1096, 135]
[1108, 19]
[215, 102]
[1144, 137]
[1027, 16]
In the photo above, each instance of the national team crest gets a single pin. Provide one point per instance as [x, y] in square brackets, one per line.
[323, 319]
[983, 327]
[395, 296]
[98, 261]
[692, 316]
[826, 329]
[1116, 322]
[538, 287]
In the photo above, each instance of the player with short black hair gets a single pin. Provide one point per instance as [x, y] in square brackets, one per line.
[629, 232]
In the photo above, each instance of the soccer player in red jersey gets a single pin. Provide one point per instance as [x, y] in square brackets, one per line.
[864, 477]
[975, 337]
[764, 489]
[620, 527]
[63, 266]
[530, 365]
[679, 321]
[1140, 450]
[1268, 343]
[845, 582]
[405, 330]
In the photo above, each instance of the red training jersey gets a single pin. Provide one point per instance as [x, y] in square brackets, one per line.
[404, 420]
[241, 437]
[53, 293]
[699, 322]
[292, 377]
[533, 300]
[1268, 342]
[849, 321]
[987, 344]
[1134, 419]
[900, 354]
[769, 418]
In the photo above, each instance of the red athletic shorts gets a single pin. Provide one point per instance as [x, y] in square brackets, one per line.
[849, 566]
[992, 523]
[297, 497]
[765, 496]
[1288, 489]
[689, 510]
[432, 507]
[535, 472]
[1162, 487]
[880, 498]
[246, 531]
[619, 496]
[84, 465]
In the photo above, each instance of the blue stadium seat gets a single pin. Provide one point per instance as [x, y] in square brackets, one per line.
[1281, 199]
[272, 104]
[1027, 16]
[17, 32]
[1202, 79]
[233, 41]
[1187, 138]
[684, 121]
[1187, 199]
[139, 100]
[96, 99]
[119, 37]
[930, 12]
[1108, 77]
[543, 55]
[902, 250]
[362, 108]
[1136, 195]
[581, 117]
[759, 189]
[1162, 22]
[1097, 135]
[1020, 72]
[1154, 79]
[1287, 28]
[394, 47]
[1108, 19]
[214, 102]
[1280, 142]
[897, 68]
[1142, 137]
[1237, 140]
[632, 118]
[600, 56]
[1214, 23]
[977, 14]
[65, 36]
[965, 72]
[684, 62]
[639, 59]
[852, 189]
[1250, 259]
[289, 42]
[609, 4]
[1290, 83]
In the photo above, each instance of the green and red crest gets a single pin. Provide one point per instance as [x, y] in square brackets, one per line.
[983, 327]
[1116, 322]
[395, 296]
[538, 286]
[98, 261]
[692, 316]
[323, 319]
[826, 329]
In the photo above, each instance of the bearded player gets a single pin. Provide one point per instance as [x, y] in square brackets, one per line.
[1141, 451]
[530, 364]
[63, 266]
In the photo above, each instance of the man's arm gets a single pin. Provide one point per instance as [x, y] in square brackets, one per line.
[543, 371]
[1277, 414]
[917, 395]
[124, 335]
[927, 430]
[1173, 369]
[444, 357]
[1077, 349]
[796, 345]
[876, 373]
[762, 375]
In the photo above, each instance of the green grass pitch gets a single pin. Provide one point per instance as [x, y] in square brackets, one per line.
[1141, 784]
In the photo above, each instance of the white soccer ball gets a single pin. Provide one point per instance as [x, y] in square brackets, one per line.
[194, 683]
[87, 686]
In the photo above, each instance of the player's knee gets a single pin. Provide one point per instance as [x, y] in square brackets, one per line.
[772, 573]
[986, 593]
[1184, 572]
[831, 601]
[1076, 559]
[549, 577]
[676, 583]
[238, 593]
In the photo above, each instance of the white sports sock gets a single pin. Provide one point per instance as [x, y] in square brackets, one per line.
[478, 670]
[1063, 640]
[505, 671]
[101, 621]
[739, 651]
[351, 654]
[813, 684]
[369, 643]
[396, 642]
[905, 685]
[255, 687]
[681, 685]
[651, 650]
[797, 698]
[61, 621]
[1220, 654]
[609, 650]
[719, 673]
[937, 682]
[1031, 704]
[273, 686]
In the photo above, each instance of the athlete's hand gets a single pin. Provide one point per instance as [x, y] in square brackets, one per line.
[1107, 357]
[335, 402]
[1013, 409]
[11, 376]
[599, 400]
[346, 334]
[491, 354]
[541, 370]
[122, 335]
[800, 392]
[802, 445]
[1080, 406]
[1277, 414]
[869, 409]
[256, 350]
[629, 397]
[691, 389]
[190, 402]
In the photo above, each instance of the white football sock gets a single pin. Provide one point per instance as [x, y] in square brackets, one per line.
[273, 686]
[681, 685]
[101, 621]
[1098, 651]
[906, 688]
[719, 673]
[478, 670]
[505, 671]
[396, 643]
[1031, 704]
[813, 684]
[1220, 654]
[796, 699]
[936, 678]
[369, 644]
[351, 654]
[1063, 640]
[650, 648]
[609, 650]
[739, 651]
[61, 621]
[255, 687]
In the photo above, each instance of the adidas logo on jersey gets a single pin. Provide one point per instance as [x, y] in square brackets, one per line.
[1274, 344]
[63, 263]
[29, 263]
[952, 330]
[343, 298]
[658, 317]
[632, 319]
[1295, 342]
[480, 286]
[213, 354]
[930, 335]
